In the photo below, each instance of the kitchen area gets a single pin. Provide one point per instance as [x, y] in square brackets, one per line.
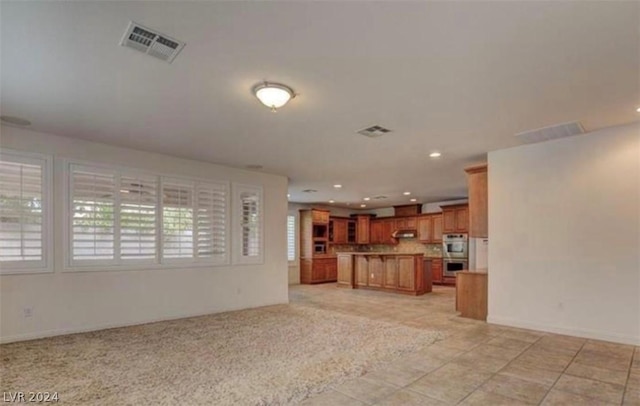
[406, 252]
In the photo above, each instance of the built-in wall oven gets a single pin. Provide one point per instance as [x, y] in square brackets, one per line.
[455, 246]
[451, 266]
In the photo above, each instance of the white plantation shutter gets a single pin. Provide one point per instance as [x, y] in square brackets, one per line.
[211, 221]
[248, 215]
[138, 217]
[93, 213]
[291, 238]
[177, 218]
[23, 211]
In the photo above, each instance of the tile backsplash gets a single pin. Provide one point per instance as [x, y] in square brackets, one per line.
[404, 245]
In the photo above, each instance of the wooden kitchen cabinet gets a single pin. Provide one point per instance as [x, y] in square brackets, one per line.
[477, 181]
[401, 273]
[388, 227]
[318, 270]
[375, 232]
[435, 265]
[430, 228]
[406, 273]
[361, 271]
[376, 272]
[338, 230]
[390, 280]
[345, 270]
[320, 216]
[455, 218]
[406, 223]
[362, 228]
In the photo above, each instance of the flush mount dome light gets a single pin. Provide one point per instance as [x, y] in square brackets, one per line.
[273, 95]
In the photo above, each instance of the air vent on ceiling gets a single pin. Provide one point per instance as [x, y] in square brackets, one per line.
[151, 42]
[374, 131]
[551, 133]
[381, 197]
[309, 191]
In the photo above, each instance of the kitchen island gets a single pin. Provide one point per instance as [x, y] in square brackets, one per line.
[390, 271]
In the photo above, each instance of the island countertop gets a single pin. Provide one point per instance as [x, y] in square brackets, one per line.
[381, 253]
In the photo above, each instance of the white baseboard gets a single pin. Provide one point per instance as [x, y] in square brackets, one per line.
[577, 332]
[75, 330]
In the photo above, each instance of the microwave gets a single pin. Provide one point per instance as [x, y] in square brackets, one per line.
[319, 248]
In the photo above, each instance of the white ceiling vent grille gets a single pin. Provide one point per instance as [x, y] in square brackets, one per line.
[151, 42]
[551, 133]
[374, 131]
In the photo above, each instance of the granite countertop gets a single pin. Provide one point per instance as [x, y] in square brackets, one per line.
[381, 253]
[474, 272]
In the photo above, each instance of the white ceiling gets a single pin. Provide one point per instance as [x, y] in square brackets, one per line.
[458, 77]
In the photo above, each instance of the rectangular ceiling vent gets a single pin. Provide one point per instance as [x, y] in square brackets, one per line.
[551, 133]
[151, 42]
[374, 131]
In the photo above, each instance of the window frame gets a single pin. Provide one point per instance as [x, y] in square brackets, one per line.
[69, 265]
[236, 224]
[46, 264]
[295, 243]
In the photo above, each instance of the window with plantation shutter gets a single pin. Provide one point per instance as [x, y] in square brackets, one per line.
[194, 220]
[291, 238]
[177, 218]
[93, 214]
[248, 216]
[211, 221]
[138, 217]
[24, 212]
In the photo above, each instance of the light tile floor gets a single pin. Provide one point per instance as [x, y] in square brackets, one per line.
[477, 363]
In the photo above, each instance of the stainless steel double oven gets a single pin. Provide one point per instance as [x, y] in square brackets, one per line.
[455, 253]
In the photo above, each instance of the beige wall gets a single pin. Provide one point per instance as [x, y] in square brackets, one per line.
[564, 226]
[64, 302]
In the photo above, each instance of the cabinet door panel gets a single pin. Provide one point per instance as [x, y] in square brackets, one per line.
[375, 232]
[345, 269]
[406, 273]
[462, 220]
[319, 270]
[331, 269]
[437, 229]
[376, 271]
[424, 229]
[361, 271]
[436, 271]
[390, 273]
[449, 221]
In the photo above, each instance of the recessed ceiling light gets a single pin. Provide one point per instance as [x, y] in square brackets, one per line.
[638, 109]
[413, 200]
[435, 154]
[363, 205]
[288, 195]
[15, 120]
[332, 201]
[273, 95]
[366, 199]
[337, 186]
[406, 193]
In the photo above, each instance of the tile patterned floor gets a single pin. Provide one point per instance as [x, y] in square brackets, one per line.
[477, 363]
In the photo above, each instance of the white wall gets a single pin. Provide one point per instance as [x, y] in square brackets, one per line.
[64, 302]
[564, 226]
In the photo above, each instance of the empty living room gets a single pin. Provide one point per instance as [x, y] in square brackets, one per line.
[320, 203]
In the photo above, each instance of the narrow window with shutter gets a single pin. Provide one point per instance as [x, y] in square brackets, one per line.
[211, 221]
[24, 213]
[93, 215]
[248, 203]
[138, 217]
[291, 238]
[177, 219]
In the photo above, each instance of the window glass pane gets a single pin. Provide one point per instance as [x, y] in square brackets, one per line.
[177, 220]
[291, 238]
[138, 201]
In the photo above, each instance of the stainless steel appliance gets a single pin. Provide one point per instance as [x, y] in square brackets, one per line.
[455, 246]
[451, 266]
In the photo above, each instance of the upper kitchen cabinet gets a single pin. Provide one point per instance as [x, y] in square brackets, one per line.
[320, 216]
[478, 201]
[338, 230]
[375, 232]
[362, 228]
[455, 218]
[430, 228]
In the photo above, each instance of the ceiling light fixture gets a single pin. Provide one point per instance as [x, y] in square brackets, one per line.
[273, 95]
[435, 154]
[638, 109]
[413, 200]
[406, 193]
[337, 186]
[332, 201]
[366, 199]
[363, 205]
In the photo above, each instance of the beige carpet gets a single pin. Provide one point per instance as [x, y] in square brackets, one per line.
[274, 355]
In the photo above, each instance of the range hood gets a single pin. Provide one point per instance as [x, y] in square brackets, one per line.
[405, 234]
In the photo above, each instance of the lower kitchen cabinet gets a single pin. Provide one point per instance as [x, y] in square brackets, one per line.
[435, 265]
[401, 273]
[319, 270]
